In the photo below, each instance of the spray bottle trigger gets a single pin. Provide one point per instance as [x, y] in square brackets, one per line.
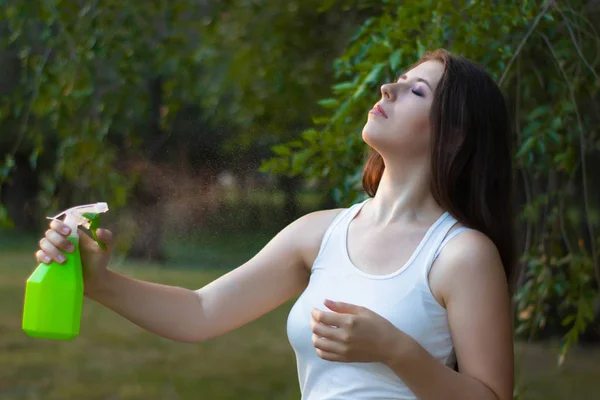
[94, 219]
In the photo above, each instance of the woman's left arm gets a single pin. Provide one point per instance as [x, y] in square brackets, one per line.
[475, 293]
[470, 277]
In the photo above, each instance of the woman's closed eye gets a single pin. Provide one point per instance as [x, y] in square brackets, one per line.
[418, 92]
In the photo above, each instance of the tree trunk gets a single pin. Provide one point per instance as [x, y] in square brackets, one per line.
[290, 187]
[19, 196]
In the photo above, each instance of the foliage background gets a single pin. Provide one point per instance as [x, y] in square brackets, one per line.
[193, 117]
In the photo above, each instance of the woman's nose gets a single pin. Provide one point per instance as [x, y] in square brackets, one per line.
[387, 92]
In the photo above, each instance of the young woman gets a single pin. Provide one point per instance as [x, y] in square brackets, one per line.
[396, 291]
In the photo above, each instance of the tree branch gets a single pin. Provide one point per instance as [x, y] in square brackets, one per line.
[594, 35]
[582, 149]
[585, 61]
[63, 28]
[524, 174]
[36, 90]
[524, 40]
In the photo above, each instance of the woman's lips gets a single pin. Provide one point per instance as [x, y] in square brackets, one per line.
[377, 110]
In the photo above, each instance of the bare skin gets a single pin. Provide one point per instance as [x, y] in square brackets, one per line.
[467, 278]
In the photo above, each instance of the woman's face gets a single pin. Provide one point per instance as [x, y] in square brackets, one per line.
[398, 125]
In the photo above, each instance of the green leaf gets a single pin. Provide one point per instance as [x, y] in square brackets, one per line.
[374, 74]
[568, 320]
[420, 48]
[5, 221]
[541, 146]
[329, 103]
[325, 5]
[395, 60]
[281, 150]
[553, 135]
[370, 79]
[341, 111]
[342, 87]
[532, 128]
[538, 111]
[320, 120]
[310, 135]
[526, 146]
[9, 163]
[33, 158]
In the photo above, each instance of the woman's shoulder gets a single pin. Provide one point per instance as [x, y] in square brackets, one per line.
[468, 244]
[320, 219]
[467, 258]
[314, 225]
[466, 248]
[311, 229]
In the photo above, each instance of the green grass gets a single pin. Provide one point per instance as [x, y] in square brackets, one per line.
[114, 359]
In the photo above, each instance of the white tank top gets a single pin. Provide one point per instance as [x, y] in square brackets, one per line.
[402, 297]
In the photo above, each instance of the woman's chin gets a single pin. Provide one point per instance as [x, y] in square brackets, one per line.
[374, 136]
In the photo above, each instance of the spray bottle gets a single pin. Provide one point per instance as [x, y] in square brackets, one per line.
[54, 292]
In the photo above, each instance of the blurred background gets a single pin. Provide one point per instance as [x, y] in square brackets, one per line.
[210, 125]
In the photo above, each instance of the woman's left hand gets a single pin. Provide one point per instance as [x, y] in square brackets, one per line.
[355, 334]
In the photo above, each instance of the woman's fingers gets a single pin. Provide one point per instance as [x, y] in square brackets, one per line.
[55, 240]
[42, 257]
[327, 345]
[329, 332]
[59, 241]
[60, 227]
[51, 250]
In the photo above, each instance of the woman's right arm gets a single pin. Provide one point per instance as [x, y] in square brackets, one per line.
[279, 272]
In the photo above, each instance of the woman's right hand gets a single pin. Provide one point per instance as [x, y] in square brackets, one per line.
[94, 260]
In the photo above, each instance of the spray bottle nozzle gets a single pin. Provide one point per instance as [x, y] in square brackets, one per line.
[94, 224]
[87, 216]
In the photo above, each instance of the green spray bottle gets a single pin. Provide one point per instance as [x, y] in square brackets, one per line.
[54, 292]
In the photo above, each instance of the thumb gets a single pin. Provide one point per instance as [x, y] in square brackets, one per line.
[342, 307]
[104, 235]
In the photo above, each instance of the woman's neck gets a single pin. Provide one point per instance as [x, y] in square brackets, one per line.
[404, 194]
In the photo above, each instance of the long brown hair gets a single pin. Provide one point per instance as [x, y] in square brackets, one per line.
[471, 155]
